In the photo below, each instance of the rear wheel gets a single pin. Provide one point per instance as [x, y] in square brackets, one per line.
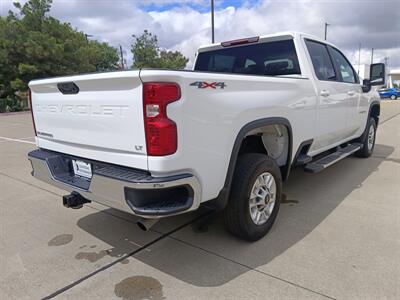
[255, 197]
[393, 97]
[368, 140]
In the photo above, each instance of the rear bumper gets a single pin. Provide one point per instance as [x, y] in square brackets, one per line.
[127, 189]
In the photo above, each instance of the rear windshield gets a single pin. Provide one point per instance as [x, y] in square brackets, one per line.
[271, 58]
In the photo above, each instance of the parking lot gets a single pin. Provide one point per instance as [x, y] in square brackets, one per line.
[337, 236]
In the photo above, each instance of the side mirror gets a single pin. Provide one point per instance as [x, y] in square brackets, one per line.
[366, 86]
[377, 74]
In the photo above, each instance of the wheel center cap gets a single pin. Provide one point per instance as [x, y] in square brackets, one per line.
[262, 206]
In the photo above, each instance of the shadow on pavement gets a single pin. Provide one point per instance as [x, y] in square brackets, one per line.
[310, 199]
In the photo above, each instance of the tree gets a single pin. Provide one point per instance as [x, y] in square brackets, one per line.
[34, 45]
[147, 54]
[145, 50]
[172, 60]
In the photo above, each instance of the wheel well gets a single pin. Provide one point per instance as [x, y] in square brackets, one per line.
[252, 144]
[272, 140]
[375, 112]
[250, 139]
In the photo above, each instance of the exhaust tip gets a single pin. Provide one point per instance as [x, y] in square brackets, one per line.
[146, 224]
[141, 226]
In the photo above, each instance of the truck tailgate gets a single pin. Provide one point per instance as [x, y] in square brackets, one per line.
[103, 120]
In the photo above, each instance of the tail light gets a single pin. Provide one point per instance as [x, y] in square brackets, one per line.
[31, 107]
[161, 132]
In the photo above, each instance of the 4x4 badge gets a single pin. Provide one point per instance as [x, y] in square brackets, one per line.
[212, 85]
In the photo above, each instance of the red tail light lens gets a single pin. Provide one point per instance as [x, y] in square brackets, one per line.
[161, 132]
[31, 107]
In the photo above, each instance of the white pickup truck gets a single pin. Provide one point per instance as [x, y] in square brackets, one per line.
[158, 143]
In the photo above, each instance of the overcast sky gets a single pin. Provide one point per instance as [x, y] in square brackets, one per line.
[185, 24]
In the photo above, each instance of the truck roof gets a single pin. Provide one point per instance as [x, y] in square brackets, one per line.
[284, 35]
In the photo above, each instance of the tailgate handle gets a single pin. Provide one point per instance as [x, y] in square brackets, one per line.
[68, 88]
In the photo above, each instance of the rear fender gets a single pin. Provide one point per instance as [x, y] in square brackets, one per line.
[222, 199]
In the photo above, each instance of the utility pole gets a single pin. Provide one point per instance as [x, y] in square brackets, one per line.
[389, 83]
[212, 21]
[326, 29]
[87, 36]
[386, 61]
[359, 58]
[372, 56]
[122, 57]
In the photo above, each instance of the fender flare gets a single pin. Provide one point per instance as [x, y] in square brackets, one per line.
[223, 195]
[373, 104]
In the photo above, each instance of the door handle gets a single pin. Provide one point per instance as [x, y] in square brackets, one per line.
[324, 93]
[351, 93]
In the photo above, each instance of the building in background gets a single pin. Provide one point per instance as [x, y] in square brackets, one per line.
[394, 78]
[363, 71]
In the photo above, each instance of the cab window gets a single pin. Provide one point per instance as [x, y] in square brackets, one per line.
[269, 58]
[343, 67]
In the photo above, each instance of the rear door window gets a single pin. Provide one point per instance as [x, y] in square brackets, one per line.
[270, 58]
[321, 61]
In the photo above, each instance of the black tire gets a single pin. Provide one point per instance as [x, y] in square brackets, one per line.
[237, 214]
[366, 151]
[393, 97]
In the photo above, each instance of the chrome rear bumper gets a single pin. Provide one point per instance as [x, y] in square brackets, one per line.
[130, 190]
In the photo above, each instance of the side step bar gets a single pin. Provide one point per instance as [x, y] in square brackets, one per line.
[326, 161]
[303, 159]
